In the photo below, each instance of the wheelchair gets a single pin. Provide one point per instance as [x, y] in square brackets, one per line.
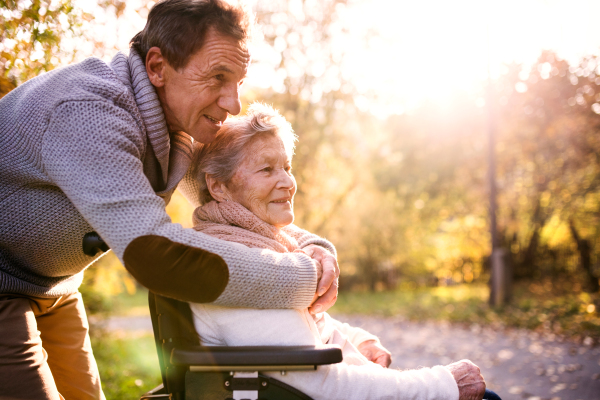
[191, 371]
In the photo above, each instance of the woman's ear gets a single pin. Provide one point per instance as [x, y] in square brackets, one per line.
[155, 67]
[217, 189]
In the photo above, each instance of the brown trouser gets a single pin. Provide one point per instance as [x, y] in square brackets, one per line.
[45, 350]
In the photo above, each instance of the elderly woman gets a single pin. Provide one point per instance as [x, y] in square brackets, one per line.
[248, 189]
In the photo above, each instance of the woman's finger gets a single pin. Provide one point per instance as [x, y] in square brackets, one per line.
[384, 360]
[375, 352]
[470, 382]
[382, 357]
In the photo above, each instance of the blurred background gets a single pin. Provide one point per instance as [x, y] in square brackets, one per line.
[398, 106]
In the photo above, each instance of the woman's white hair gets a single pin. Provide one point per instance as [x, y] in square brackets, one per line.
[222, 157]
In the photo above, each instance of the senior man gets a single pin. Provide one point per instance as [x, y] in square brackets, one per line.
[95, 150]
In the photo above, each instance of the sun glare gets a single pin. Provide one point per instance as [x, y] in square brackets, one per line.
[434, 49]
[399, 53]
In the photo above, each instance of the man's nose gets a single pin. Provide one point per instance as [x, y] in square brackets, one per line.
[230, 100]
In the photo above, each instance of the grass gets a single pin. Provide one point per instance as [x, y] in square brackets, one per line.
[128, 365]
[131, 304]
[534, 306]
[127, 362]
[415, 304]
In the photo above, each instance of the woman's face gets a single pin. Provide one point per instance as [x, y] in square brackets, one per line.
[264, 183]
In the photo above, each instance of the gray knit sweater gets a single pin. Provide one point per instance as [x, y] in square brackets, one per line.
[86, 148]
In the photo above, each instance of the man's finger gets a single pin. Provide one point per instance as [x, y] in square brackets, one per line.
[331, 262]
[326, 301]
[309, 251]
[319, 267]
[328, 277]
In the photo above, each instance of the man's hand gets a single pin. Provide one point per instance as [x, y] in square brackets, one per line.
[375, 352]
[327, 278]
[471, 385]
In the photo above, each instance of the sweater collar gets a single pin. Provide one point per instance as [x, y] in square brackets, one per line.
[173, 151]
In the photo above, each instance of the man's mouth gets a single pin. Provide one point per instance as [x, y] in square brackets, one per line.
[214, 120]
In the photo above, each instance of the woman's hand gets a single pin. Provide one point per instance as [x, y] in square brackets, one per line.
[471, 385]
[327, 278]
[375, 352]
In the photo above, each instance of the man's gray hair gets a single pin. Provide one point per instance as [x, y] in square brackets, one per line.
[222, 157]
[178, 27]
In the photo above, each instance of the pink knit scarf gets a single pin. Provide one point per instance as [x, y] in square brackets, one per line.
[235, 223]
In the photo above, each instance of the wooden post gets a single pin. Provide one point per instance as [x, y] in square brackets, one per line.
[501, 278]
[500, 283]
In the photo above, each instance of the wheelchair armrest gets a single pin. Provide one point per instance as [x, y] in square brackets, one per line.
[256, 355]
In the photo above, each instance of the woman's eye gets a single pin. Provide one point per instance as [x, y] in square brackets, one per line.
[267, 169]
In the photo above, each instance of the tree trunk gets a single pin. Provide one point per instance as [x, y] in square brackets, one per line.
[527, 263]
[585, 259]
[370, 272]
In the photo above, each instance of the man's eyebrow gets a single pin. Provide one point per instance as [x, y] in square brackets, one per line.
[221, 68]
[224, 68]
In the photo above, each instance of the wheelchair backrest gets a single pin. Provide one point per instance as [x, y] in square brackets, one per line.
[173, 326]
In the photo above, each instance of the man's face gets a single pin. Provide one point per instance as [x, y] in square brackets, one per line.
[197, 98]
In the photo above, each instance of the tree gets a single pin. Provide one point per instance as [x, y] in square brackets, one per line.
[31, 37]
[549, 163]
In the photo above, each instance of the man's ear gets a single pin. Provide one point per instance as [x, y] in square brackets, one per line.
[217, 189]
[156, 66]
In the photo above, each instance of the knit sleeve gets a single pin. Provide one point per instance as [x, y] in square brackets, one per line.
[92, 150]
[305, 238]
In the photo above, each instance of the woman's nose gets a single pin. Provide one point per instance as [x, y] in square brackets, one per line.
[286, 181]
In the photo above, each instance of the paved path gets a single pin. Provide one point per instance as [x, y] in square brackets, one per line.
[518, 364]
